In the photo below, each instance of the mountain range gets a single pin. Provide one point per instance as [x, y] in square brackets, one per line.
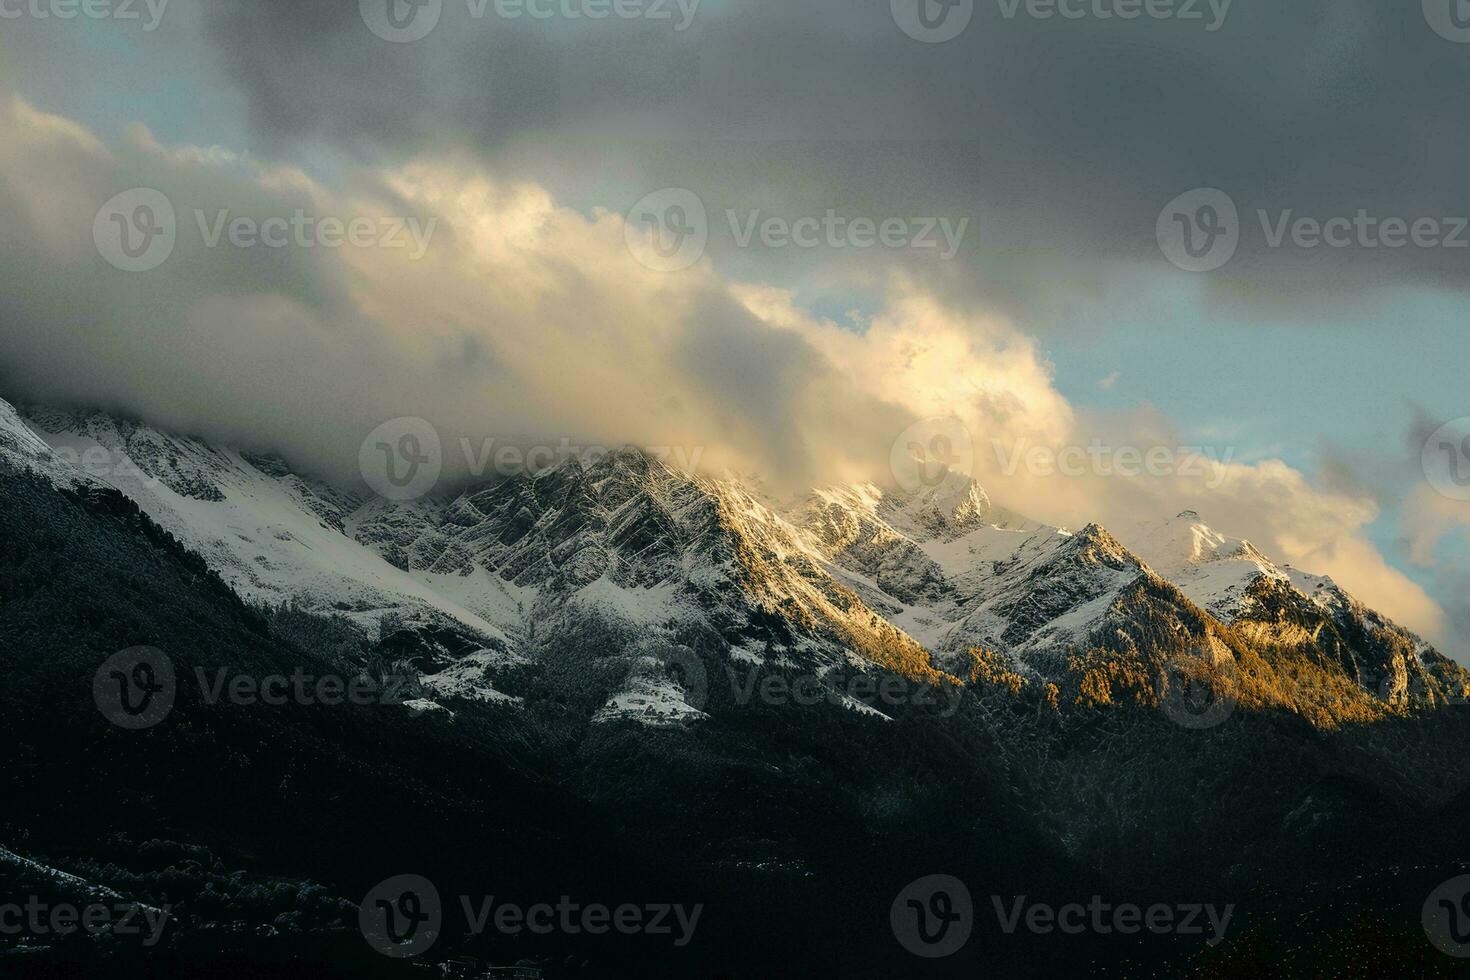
[607, 665]
[908, 581]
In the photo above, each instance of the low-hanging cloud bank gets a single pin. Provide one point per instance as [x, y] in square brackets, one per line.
[527, 321]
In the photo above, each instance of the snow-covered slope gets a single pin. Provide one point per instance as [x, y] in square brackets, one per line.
[22, 449]
[1215, 571]
[272, 535]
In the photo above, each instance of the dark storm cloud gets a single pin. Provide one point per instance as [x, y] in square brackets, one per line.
[1062, 139]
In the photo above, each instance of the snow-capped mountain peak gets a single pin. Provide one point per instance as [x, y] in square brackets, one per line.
[1214, 570]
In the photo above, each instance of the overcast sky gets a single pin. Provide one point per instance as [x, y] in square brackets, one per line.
[978, 212]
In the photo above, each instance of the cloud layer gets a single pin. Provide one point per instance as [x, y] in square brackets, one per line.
[1060, 137]
[529, 321]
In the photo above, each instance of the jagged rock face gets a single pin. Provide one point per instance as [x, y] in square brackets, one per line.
[625, 518]
[958, 581]
[1382, 657]
[185, 466]
[1056, 598]
[1286, 608]
[21, 448]
[890, 576]
[952, 507]
[844, 524]
[627, 536]
[785, 575]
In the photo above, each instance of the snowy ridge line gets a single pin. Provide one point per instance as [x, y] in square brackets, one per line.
[909, 580]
